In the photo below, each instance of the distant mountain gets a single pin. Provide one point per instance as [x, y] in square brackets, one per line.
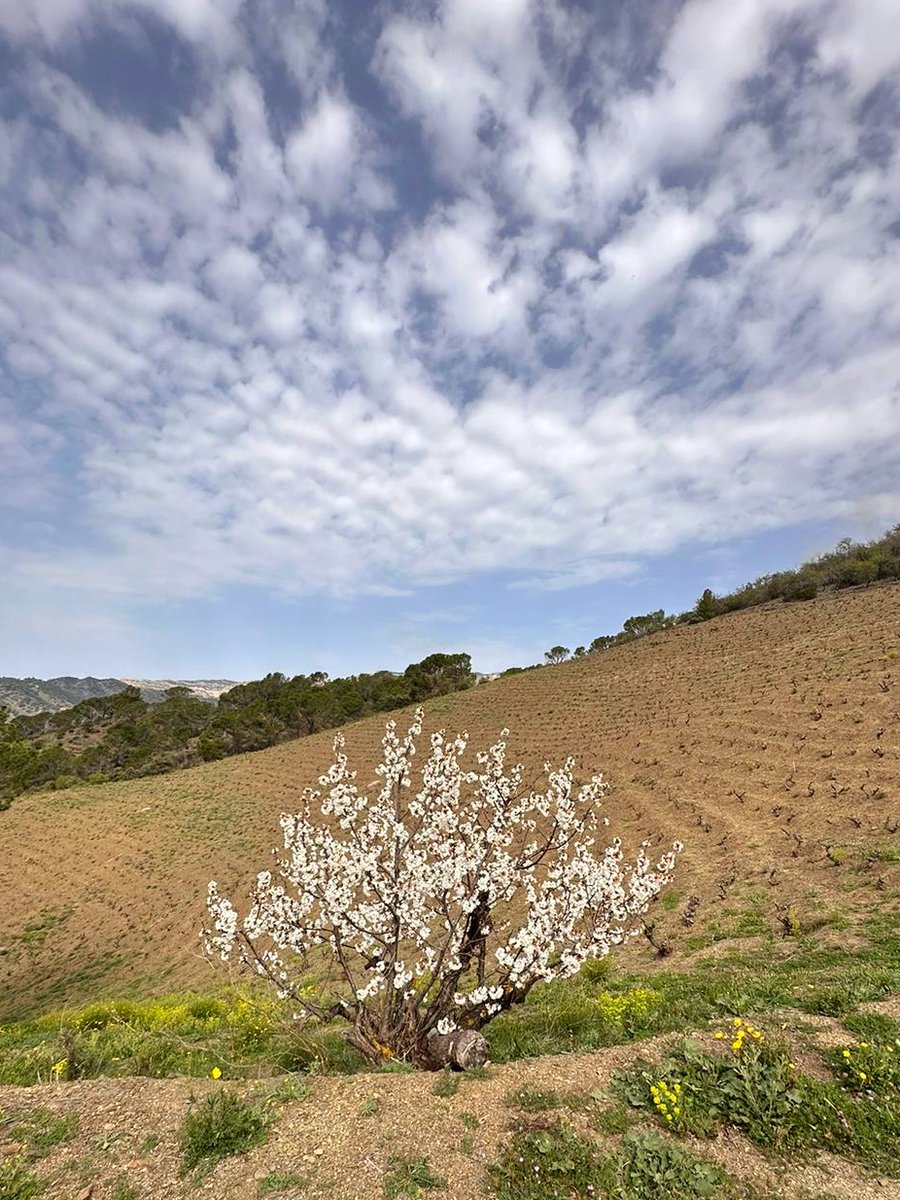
[24, 697]
[203, 689]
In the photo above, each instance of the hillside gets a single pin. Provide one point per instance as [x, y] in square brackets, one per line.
[27, 697]
[767, 740]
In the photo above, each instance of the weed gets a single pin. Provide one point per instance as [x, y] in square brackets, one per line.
[222, 1125]
[150, 1142]
[867, 1069]
[549, 1162]
[532, 1100]
[757, 1089]
[478, 1074]
[40, 1130]
[469, 1120]
[615, 1118]
[122, 1190]
[447, 1083]
[370, 1107]
[647, 1167]
[280, 1181]
[17, 1182]
[872, 1027]
[289, 1089]
[409, 1177]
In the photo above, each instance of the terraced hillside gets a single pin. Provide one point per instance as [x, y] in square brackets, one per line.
[767, 740]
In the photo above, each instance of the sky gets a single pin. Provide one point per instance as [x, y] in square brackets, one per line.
[334, 333]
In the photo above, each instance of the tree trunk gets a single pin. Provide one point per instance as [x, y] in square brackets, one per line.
[463, 1048]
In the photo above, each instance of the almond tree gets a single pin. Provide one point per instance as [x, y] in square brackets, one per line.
[439, 905]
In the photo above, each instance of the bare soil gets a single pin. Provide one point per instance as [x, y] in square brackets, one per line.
[342, 1154]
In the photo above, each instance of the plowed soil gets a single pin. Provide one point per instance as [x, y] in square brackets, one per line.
[768, 741]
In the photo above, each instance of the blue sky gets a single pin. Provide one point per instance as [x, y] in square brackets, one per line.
[332, 334]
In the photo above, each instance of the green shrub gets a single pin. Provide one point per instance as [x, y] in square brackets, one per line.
[648, 1167]
[803, 587]
[223, 1124]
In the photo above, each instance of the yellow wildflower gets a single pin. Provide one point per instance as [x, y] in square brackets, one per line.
[216, 1073]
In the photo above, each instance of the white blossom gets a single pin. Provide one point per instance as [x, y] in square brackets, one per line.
[457, 890]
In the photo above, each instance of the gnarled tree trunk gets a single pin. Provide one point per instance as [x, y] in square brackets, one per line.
[463, 1048]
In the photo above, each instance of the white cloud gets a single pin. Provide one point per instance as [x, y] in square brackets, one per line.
[209, 22]
[321, 155]
[591, 341]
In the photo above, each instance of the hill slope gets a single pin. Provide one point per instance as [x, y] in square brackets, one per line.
[26, 697]
[767, 740]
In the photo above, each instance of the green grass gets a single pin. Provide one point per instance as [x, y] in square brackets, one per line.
[17, 1182]
[122, 1190]
[278, 1182]
[533, 1100]
[248, 1036]
[38, 1130]
[447, 1083]
[221, 1125]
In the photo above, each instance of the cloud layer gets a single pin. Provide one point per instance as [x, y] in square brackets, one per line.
[343, 300]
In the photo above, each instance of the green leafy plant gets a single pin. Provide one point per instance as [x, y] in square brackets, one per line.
[550, 1162]
[647, 1167]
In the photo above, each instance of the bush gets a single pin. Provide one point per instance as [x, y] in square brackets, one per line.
[801, 588]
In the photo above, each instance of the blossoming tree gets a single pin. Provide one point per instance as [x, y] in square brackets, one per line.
[440, 904]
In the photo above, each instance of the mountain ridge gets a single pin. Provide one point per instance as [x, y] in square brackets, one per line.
[28, 695]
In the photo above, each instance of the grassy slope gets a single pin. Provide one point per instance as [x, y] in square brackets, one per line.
[766, 740]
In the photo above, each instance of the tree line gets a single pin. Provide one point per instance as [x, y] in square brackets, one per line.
[850, 564]
[124, 736]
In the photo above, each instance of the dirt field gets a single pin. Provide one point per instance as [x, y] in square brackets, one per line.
[768, 741]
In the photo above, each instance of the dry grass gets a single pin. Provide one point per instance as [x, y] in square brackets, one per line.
[766, 740]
